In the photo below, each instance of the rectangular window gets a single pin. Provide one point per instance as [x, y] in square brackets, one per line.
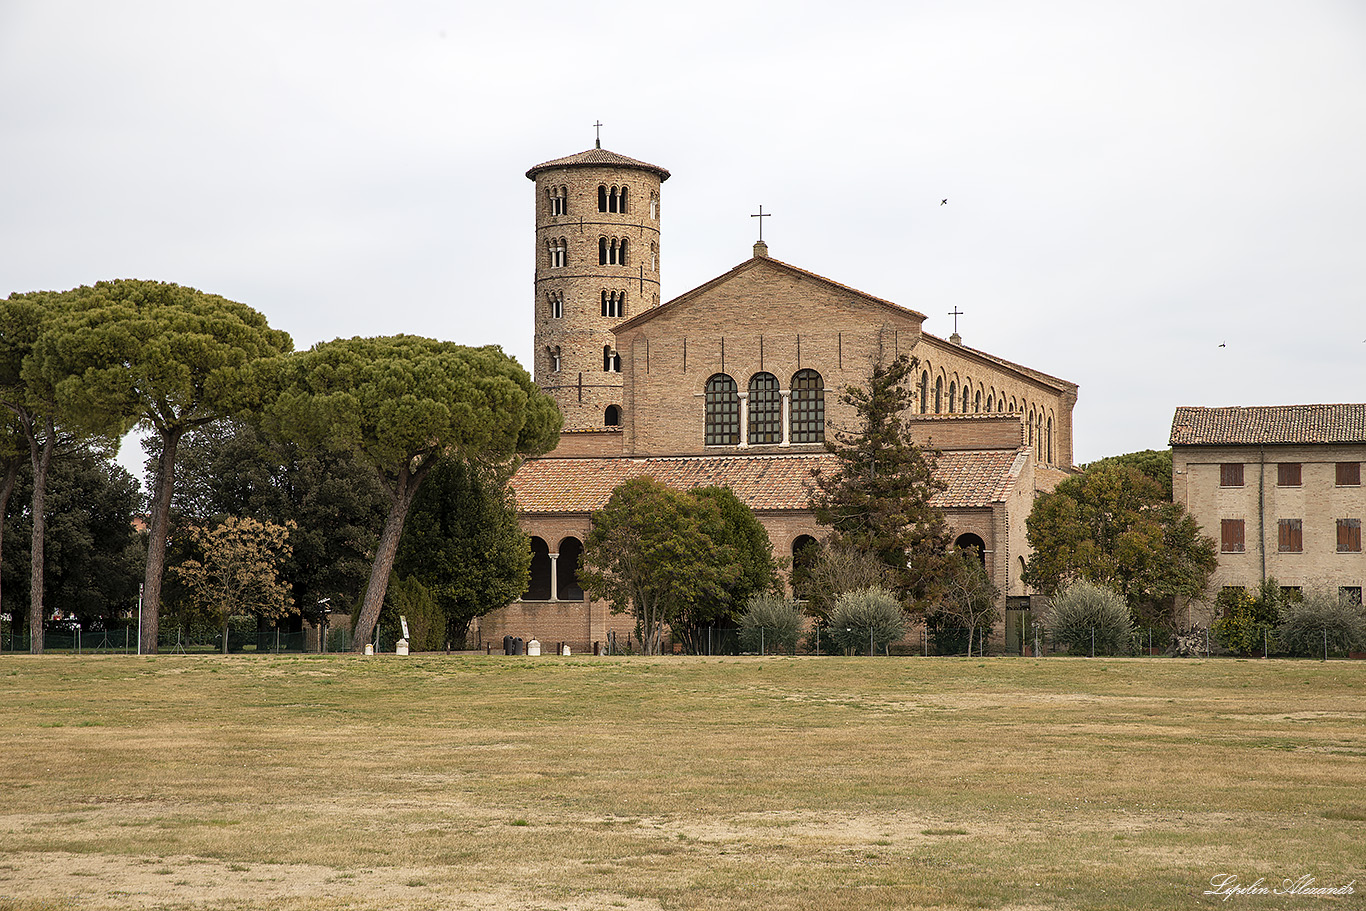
[1350, 595]
[1231, 474]
[1292, 593]
[1349, 474]
[1349, 536]
[1288, 474]
[1231, 535]
[1290, 536]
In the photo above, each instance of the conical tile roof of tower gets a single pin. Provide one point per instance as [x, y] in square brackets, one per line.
[598, 158]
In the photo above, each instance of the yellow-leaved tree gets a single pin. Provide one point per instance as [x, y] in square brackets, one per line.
[239, 573]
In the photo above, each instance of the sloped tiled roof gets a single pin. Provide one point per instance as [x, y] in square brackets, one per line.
[1269, 424]
[977, 478]
[598, 158]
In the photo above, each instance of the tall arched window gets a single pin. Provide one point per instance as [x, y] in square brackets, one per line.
[722, 426]
[654, 206]
[938, 394]
[977, 402]
[621, 252]
[622, 201]
[1038, 436]
[556, 299]
[602, 198]
[990, 400]
[612, 416]
[966, 384]
[614, 304]
[808, 407]
[952, 395]
[559, 251]
[924, 392]
[559, 200]
[602, 251]
[553, 353]
[1050, 439]
[765, 410]
[654, 258]
[1029, 423]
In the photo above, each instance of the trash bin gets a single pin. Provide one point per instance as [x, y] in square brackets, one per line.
[507, 646]
[517, 646]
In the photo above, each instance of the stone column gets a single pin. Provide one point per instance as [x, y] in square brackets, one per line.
[744, 420]
[787, 416]
[554, 578]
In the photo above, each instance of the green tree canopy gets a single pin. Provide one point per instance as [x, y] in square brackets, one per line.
[878, 498]
[1114, 526]
[651, 552]
[463, 544]
[160, 356]
[403, 402]
[239, 571]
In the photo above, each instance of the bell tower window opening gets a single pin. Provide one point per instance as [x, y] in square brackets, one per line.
[602, 198]
[654, 207]
[808, 407]
[611, 360]
[559, 200]
[614, 304]
[553, 353]
[556, 299]
[559, 252]
[722, 419]
[765, 410]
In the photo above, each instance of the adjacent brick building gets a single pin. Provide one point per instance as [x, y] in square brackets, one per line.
[1279, 487]
[737, 382]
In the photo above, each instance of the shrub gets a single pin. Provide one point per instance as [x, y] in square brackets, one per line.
[1247, 624]
[1305, 624]
[1083, 607]
[770, 623]
[864, 616]
[409, 598]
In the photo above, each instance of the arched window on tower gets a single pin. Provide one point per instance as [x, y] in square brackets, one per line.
[924, 392]
[622, 201]
[556, 299]
[559, 200]
[654, 207]
[621, 252]
[765, 410]
[553, 355]
[722, 419]
[654, 258]
[612, 416]
[602, 198]
[602, 251]
[611, 360]
[614, 304]
[559, 252]
[808, 407]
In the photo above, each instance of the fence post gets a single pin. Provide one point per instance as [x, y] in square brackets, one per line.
[1093, 642]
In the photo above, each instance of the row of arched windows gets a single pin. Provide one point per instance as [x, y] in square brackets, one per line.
[559, 200]
[611, 251]
[557, 249]
[964, 400]
[756, 417]
[556, 301]
[613, 304]
[555, 577]
[611, 199]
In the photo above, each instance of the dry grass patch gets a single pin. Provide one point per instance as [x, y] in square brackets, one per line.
[340, 782]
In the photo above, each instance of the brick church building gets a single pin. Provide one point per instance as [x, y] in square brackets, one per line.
[737, 382]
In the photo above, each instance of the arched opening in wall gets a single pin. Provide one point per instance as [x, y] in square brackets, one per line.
[1050, 440]
[1029, 422]
[966, 392]
[622, 201]
[924, 392]
[602, 251]
[611, 360]
[721, 422]
[805, 549]
[567, 570]
[990, 399]
[765, 410]
[808, 407]
[938, 394]
[1022, 571]
[952, 395]
[602, 198]
[977, 403]
[612, 416]
[970, 543]
[1038, 436]
[539, 587]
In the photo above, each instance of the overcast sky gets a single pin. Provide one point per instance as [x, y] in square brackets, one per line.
[1130, 184]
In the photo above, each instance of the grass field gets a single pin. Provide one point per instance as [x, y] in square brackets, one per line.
[338, 782]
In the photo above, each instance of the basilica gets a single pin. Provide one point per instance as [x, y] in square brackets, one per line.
[737, 383]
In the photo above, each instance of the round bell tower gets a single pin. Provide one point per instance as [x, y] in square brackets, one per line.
[597, 264]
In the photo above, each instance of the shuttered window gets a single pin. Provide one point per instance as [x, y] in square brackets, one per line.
[1231, 535]
[1349, 536]
[1290, 536]
[1349, 474]
[1231, 474]
[1288, 474]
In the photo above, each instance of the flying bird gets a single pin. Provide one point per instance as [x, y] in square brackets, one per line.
[943, 202]
[1222, 345]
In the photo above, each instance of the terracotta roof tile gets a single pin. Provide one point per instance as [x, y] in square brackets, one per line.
[598, 158]
[1269, 424]
[977, 478]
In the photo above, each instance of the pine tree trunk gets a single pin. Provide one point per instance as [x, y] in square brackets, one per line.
[158, 528]
[41, 455]
[11, 474]
[404, 491]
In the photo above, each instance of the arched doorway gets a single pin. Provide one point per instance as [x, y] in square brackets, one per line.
[805, 549]
[970, 543]
[539, 587]
[567, 570]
